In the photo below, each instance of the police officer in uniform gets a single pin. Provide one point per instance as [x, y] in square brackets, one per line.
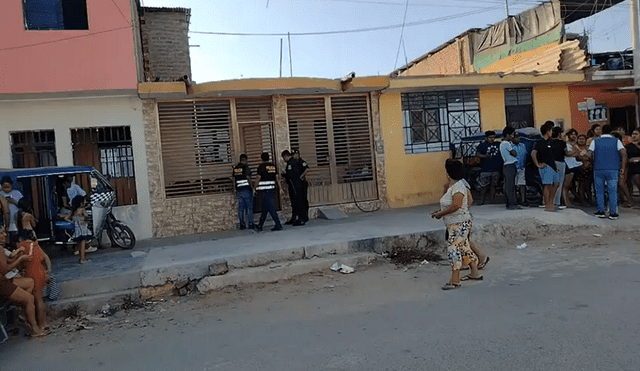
[244, 192]
[288, 159]
[266, 184]
[297, 170]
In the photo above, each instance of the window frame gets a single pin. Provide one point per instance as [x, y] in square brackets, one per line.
[57, 15]
[445, 116]
[40, 148]
[520, 104]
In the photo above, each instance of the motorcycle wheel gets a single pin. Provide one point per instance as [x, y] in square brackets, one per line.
[121, 236]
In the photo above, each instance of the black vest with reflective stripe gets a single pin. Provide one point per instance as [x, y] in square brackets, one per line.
[240, 175]
[267, 172]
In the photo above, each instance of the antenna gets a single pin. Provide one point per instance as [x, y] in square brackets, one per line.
[290, 66]
[280, 57]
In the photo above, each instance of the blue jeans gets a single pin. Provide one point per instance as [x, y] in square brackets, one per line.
[611, 178]
[245, 205]
[269, 207]
[562, 167]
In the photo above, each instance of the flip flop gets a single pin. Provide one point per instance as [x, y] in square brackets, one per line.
[482, 265]
[467, 278]
[42, 334]
[450, 286]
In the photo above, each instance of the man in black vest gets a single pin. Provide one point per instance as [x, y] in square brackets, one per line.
[244, 192]
[266, 184]
[288, 160]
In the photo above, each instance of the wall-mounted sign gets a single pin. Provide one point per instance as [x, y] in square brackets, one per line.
[598, 113]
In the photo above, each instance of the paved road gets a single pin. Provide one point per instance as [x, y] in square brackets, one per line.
[563, 303]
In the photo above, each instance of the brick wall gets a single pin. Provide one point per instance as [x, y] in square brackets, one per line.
[165, 43]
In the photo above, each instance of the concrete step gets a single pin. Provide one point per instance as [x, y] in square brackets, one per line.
[283, 270]
[331, 212]
[99, 285]
[92, 303]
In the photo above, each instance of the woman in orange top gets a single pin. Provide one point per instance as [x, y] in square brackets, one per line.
[35, 270]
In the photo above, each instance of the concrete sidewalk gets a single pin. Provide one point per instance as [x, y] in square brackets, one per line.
[114, 273]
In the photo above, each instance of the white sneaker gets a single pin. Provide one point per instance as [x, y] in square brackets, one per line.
[562, 207]
[91, 249]
[76, 252]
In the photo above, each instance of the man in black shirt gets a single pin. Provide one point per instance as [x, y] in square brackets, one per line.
[266, 184]
[543, 158]
[244, 192]
[286, 156]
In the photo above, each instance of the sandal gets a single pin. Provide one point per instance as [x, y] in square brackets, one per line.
[482, 265]
[468, 277]
[450, 286]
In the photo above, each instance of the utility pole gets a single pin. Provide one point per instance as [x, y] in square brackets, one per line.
[506, 6]
[635, 39]
[280, 57]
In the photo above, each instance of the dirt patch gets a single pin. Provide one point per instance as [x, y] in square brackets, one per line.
[405, 252]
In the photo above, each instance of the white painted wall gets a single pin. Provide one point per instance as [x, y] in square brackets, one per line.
[63, 114]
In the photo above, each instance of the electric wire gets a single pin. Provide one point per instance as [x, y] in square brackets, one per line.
[63, 39]
[404, 20]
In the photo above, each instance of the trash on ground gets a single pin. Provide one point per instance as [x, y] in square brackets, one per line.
[597, 235]
[346, 269]
[96, 319]
[522, 246]
[424, 262]
[335, 267]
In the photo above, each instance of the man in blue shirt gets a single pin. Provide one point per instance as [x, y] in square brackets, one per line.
[509, 167]
[609, 160]
[521, 180]
[489, 153]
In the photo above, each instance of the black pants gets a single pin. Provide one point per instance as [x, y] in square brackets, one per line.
[300, 202]
[510, 183]
[294, 208]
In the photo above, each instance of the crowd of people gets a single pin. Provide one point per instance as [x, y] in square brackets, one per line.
[575, 169]
[25, 268]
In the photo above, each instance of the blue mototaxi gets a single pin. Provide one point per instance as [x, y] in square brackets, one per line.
[43, 187]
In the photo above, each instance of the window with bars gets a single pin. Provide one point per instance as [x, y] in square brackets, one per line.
[33, 149]
[110, 150]
[196, 147]
[518, 104]
[437, 121]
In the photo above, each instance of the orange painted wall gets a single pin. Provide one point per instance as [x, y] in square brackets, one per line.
[96, 59]
[444, 62]
[578, 94]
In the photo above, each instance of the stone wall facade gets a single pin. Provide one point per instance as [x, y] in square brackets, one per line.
[165, 43]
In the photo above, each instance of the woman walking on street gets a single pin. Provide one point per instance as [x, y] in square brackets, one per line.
[454, 208]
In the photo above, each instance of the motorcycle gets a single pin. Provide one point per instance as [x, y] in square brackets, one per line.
[44, 186]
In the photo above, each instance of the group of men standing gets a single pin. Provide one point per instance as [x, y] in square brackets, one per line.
[265, 186]
[607, 154]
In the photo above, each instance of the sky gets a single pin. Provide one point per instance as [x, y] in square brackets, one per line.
[427, 24]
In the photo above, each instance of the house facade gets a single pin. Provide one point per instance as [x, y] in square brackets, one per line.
[68, 94]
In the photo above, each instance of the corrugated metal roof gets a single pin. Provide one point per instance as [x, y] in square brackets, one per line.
[567, 56]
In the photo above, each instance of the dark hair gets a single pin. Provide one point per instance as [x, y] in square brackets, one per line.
[265, 156]
[6, 179]
[489, 133]
[25, 205]
[454, 169]
[607, 129]
[556, 131]
[594, 126]
[76, 203]
[616, 135]
[572, 131]
[582, 135]
[508, 131]
[243, 157]
[544, 129]
[549, 122]
[285, 153]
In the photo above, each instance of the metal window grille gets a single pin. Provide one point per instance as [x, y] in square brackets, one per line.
[196, 147]
[436, 121]
[33, 149]
[519, 107]
[352, 138]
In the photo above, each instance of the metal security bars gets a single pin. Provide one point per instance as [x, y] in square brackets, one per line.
[519, 107]
[196, 147]
[352, 138]
[436, 121]
[109, 149]
[33, 149]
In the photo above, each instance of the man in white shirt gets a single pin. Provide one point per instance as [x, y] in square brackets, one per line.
[509, 167]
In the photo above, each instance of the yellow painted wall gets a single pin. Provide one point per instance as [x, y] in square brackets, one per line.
[412, 179]
[492, 112]
[551, 103]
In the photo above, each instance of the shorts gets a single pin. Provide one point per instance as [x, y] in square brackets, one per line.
[521, 180]
[6, 287]
[549, 176]
[486, 179]
[82, 238]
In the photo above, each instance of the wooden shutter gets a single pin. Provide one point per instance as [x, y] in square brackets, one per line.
[255, 118]
[352, 138]
[308, 133]
[196, 147]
